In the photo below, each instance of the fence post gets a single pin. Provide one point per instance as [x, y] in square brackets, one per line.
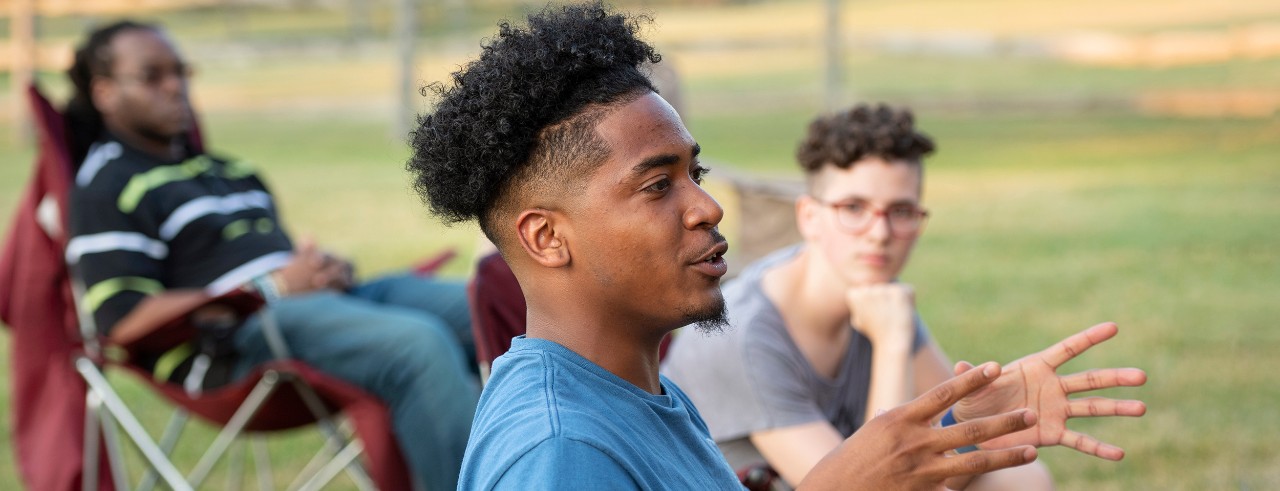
[22, 22]
[406, 33]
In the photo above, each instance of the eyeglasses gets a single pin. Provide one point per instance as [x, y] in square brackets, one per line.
[904, 219]
[153, 76]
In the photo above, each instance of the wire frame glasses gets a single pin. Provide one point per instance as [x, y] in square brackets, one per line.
[904, 219]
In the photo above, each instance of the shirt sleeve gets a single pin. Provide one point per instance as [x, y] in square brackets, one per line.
[563, 463]
[114, 254]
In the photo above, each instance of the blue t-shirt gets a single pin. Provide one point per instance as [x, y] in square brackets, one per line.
[551, 419]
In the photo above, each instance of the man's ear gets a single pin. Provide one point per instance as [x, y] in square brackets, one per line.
[808, 217]
[537, 231]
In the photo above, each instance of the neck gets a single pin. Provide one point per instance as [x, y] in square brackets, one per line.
[626, 350]
[163, 149]
[805, 290]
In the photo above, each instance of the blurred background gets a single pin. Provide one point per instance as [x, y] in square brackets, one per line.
[1098, 160]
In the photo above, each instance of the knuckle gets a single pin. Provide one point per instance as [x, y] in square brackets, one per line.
[1017, 458]
[1093, 379]
[975, 464]
[1015, 422]
[942, 394]
[973, 433]
[889, 417]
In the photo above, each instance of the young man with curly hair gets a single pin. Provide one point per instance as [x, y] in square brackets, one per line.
[589, 185]
[824, 335]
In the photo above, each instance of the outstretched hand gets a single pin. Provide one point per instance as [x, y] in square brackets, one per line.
[1033, 382]
[901, 449]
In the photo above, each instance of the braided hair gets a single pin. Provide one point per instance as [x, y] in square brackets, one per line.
[93, 58]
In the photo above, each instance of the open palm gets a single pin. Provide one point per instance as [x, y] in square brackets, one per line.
[1033, 382]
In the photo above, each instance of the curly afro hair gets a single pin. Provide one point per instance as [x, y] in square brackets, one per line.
[519, 121]
[844, 138]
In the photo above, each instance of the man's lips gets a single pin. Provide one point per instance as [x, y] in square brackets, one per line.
[712, 263]
[878, 260]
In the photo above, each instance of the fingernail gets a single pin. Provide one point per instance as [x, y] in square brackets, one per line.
[1029, 454]
[989, 370]
[1029, 417]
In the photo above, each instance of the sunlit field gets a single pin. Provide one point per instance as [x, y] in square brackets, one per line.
[1058, 199]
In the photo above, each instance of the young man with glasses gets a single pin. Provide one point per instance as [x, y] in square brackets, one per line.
[824, 335]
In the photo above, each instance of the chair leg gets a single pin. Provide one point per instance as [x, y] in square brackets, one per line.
[168, 440]
[235, 465]
[341, 461]
[317, 461]
[262, 463]
[334, 438]
[92, 441]
[115, 452]
[150, 451]
[257, 397]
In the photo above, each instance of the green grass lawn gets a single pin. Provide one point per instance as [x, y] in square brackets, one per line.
[1043, 222]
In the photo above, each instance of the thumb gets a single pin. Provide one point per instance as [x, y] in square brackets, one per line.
[963, 366]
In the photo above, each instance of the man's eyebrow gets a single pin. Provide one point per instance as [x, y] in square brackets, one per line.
[854, 198]
[662, 160]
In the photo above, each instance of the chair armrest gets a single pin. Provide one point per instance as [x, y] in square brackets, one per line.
[163, 321]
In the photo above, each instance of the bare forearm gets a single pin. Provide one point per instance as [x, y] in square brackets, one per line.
[892, 377]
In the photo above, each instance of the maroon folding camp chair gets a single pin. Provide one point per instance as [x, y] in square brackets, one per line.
[63, 406]
[497, 310]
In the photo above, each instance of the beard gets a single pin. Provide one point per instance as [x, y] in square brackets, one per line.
[712, 319]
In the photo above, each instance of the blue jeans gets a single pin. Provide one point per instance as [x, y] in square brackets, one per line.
[406, 340]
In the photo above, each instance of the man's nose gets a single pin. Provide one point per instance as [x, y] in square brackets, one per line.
[879, 229]
[703, 211]
[174, 81]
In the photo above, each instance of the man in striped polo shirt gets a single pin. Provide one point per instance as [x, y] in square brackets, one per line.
[151, 216]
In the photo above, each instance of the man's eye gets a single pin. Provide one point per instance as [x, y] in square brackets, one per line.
[903, 211]
[660, 186]
[153, 76]
[698, 174]
[855, 208]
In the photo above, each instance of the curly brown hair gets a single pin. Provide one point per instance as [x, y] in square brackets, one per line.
[844, 138]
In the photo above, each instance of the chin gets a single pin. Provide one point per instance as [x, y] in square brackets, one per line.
[707, 316]
[869, 279]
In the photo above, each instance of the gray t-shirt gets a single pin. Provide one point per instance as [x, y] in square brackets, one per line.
[752, 377]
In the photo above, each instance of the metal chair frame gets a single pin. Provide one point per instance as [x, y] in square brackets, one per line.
[106, 413]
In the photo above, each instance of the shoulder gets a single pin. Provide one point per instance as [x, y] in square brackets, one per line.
[745, 299]
[230, 167]
[106, 169]
[519, 394]
[532, 394]
[529, 433]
